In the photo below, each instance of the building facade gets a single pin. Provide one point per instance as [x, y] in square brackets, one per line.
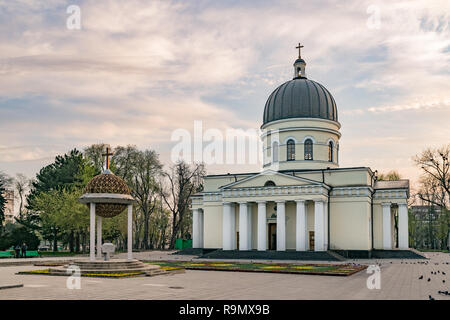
[302, 199]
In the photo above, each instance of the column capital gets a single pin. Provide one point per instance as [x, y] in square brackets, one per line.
[280, 201]
[319, 200]
[261, 201]
[300, 201]
[226, 203]
[243, 202]
[402, 204]
[385, 204]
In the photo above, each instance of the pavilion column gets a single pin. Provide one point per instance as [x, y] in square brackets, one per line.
[99, 237]
[262, 234]
[227, 227]
[92, 232]
[281, 225]
[319, 225]
[243, 226]
[300, 243]
[387, 236]
[403, 236]
[130, 232]
[195, 228]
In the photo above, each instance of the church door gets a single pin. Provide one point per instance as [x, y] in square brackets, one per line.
[311, 240]
[272, 236]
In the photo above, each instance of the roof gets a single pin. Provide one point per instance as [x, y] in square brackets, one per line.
[300, 98]
[397, 184]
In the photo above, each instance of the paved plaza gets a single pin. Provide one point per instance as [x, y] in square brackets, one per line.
[399, 280]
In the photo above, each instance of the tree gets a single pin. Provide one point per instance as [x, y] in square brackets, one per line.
[434, 190]
[390, 176]
[94, 156]
[65, 172]
[436, 171]
[183, 181]
[141, 170]
[2, 201]
[22, 185]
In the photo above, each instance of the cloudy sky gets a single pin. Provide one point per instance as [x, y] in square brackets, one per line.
[138, 70]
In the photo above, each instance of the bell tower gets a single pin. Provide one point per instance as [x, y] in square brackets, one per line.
[299, 64]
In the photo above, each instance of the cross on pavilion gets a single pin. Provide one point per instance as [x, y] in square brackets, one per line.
[107, 154]
[299, 47]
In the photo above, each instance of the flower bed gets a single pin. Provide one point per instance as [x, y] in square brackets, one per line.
[101, 275]
[315, 269]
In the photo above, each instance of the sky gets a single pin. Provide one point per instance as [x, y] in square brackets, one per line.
[136, 71]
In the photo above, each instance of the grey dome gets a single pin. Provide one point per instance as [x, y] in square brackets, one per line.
[300, 98]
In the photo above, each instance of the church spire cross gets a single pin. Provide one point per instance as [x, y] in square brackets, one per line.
[107, 154]
[299, 47]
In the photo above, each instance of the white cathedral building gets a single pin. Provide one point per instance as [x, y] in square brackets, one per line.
[301, 200]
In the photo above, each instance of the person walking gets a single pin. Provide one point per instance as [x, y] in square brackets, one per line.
[24, 250]
[17, 250]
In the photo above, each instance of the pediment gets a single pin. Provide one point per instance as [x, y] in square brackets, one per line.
[280, 179]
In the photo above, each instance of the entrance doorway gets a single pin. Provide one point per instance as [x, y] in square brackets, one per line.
[272, 236]
[311, 240]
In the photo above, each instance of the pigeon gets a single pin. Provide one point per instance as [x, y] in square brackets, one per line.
[430, 297]
[443, 273]
[429, 279]
[443, 281]
[421, 277]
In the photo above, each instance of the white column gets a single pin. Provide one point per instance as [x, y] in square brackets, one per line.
[281, 226]
[387, 239]
[319, 225]
[92, 231]
[99, 237]
[195, 228]
[249, 225]
[226, 227]
[300, 231]
[243, 226]
[403, 226]
[130, 232]
[325, 225]
[262, 234]
[233, 226]
[201, 220]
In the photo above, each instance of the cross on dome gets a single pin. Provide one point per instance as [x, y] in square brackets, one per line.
[107, 154]
[299, 47]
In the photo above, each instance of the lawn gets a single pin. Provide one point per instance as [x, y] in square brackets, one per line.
[316, 269]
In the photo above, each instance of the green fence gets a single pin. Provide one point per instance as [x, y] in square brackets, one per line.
[181, 244]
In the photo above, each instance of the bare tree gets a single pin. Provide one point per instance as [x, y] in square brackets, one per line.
[390, 176]
[22, 185]
[183, 181]
[436, 178]
[141, 170]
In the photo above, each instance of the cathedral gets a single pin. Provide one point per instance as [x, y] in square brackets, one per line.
[302, 199]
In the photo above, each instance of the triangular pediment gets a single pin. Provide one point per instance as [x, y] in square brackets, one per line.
[280, 179]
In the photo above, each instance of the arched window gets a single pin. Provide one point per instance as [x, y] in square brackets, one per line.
[308, 145]
[330, 151]
[275, 152]
[290, 150]
[269, 183]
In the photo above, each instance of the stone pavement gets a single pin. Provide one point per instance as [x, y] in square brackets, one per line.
[399, 280]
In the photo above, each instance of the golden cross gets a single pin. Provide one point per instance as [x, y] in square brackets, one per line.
[107, 154]
[299, 47]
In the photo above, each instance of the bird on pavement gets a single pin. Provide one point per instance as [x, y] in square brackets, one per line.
[421, 277]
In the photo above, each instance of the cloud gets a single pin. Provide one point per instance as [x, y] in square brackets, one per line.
[137, 70]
